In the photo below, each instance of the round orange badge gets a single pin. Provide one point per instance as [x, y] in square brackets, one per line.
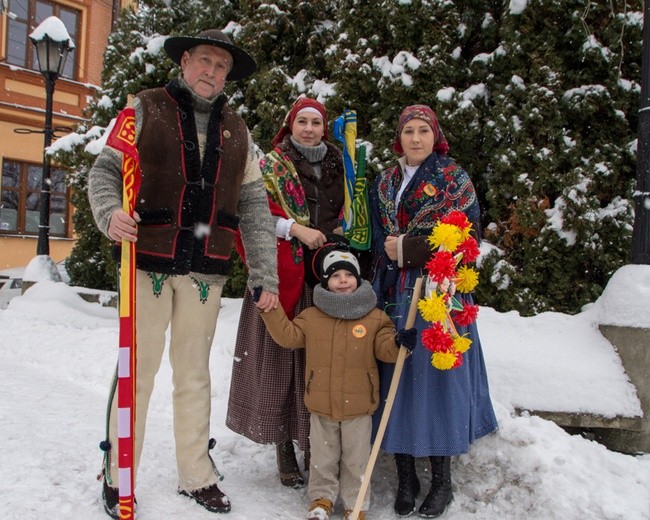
[359, 331]
[430, 190]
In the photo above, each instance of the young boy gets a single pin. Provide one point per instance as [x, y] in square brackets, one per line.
[344, 333]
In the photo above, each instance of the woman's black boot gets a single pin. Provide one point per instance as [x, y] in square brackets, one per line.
[440, 494]
[290, 475]
[408, 485]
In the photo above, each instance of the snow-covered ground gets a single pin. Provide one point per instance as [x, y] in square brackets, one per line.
[57, 356]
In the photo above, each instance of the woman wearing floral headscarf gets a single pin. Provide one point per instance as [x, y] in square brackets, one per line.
[303, 175]
[437, 413]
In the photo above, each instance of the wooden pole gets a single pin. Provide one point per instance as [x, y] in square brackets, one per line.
[390, 399]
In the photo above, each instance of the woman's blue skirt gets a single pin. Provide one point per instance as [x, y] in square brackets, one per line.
[436, 412]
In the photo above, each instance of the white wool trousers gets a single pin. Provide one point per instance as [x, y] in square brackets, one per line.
[177, 302]
[339, 456]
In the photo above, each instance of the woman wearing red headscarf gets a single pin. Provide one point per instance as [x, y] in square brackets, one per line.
[303, 175]
[436, 413]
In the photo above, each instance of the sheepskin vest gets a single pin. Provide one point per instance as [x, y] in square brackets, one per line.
[188, 206]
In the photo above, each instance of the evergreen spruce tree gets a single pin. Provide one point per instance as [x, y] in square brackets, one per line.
[537, 99]
[91, 262]
[134, 60]
[399, 56]
[538, 103]
[289, 40]
[560, 133]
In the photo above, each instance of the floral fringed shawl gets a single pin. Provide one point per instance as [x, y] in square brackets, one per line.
[283, 186]
[438, 187]
[287, 200]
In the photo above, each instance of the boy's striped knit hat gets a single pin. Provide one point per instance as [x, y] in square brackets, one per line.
[339, 259]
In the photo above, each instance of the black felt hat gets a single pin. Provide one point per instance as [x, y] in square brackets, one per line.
[243, 64]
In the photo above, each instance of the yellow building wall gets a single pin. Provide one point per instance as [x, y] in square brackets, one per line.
[17, 251]
[22, 105]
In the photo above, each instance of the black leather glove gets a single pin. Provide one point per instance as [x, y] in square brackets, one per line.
[407, 338]
[257, 293]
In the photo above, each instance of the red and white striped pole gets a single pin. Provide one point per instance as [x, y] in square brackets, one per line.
[123, 139]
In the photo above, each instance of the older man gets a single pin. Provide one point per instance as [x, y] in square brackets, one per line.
[200, 182]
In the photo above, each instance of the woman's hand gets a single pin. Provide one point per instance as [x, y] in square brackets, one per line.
[312, 238]
[390, 246]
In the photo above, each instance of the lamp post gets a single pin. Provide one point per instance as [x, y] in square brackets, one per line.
[641, 230]
[52, 43]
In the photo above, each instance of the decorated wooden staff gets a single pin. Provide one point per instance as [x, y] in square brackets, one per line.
[122, 138]
[390, 398]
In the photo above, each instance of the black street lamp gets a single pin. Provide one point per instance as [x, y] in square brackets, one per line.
[641, 231]
[52, 44]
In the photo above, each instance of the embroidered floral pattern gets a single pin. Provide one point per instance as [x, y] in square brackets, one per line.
[204, 289]
[284, 188]
[438, 187]
[157, 282]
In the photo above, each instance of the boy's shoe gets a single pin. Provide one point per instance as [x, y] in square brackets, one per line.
[348, 515]
[320, 509]
[211, 497]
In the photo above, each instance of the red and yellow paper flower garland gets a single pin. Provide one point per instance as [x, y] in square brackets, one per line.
[448, 272]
